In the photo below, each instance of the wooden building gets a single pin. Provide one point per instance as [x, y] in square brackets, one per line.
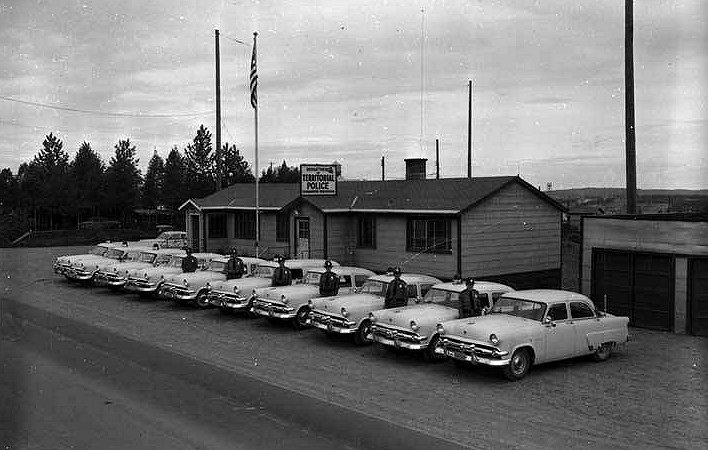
[651, 268]
[496, 228]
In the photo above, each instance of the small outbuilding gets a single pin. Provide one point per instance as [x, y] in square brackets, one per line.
[494, 228]
[651, 268]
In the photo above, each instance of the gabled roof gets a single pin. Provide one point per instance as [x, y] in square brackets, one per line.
[429, 196]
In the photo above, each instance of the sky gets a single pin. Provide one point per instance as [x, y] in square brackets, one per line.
[353, 81]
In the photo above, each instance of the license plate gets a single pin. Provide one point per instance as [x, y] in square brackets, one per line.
[456, 355]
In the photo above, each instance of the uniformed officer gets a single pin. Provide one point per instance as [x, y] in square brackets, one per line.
[397, 291]
[282, 275]
[189, 262]
[470, 304]
[329, 281]
[235, 268]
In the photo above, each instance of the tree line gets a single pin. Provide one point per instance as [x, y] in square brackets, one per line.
[54, 191]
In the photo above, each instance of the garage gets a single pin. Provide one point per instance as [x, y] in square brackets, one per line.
[698, 296]
[637, 285]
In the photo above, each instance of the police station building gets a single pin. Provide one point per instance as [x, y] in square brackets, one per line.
[494, 228]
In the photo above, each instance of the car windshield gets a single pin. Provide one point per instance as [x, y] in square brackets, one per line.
[217, 266]
[98, 250]
[374, 287]
[132, 255]
[162, 259]
[147, 257]
[176, 261]
[115, 253]
[312, 278]
[519, 308]
[263, 272]
[442, 297]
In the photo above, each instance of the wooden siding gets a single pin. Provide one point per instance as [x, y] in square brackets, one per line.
[512, 232]
[341, 231]
[681, 295]
[391, 250]
[654, 236]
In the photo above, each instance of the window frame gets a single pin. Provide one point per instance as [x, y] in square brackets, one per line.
[244, 225]
[570, 309]
[282, 227]
[423, 244]
[554, 305]
[361, 233]
[217, 229]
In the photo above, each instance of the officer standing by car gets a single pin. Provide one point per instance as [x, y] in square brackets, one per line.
[281, 274]
[396, 292]
[329, 281]
[235, 268]
[189, 263]
[470, 304]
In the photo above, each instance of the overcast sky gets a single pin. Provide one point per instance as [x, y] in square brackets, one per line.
[341, 80]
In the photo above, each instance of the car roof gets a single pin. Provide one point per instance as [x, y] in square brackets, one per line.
[299, 263]
[343, 270]
[408, 278]
[478, 286]
[548, 295]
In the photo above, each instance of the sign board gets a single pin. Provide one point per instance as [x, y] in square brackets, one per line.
[318, 179]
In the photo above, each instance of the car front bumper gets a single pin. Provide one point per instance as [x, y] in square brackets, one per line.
[109, 280]
[78, 274]
[276, 311]
[230, 300]
[397, 339]
[176, 293]
[474, 354]
[140, 286]
[332, 324]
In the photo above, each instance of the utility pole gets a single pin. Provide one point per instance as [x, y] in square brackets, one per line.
[469, 133]
[382, 169]
[630, 144]
[218, 113]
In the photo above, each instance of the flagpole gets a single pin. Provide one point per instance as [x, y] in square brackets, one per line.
[254, 103]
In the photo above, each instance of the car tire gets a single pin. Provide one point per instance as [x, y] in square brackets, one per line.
[519, 365]
[300, 321]
[202, 301]
[429, 352]
[361, 333]
[603, 352]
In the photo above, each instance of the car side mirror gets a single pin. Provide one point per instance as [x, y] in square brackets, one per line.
[548, 321]
[418, 300]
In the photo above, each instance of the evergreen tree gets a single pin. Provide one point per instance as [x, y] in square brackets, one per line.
[200, 165]
[49, 184]
[283, 174]
[8, 190]
[235, 168]
[87, 172]
[174, 191]
[154, 182]
[123, 180]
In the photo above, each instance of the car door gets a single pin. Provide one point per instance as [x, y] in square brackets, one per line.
[585, 322]
[560, 333]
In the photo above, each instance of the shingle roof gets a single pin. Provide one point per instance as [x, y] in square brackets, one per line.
[448, 195]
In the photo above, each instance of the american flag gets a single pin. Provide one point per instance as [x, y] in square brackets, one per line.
[254, 75]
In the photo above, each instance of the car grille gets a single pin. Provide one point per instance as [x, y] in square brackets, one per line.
[457, 345]
[326, 319]
[396, 333]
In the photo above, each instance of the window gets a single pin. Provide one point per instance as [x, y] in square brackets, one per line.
[282, 229]
[366, 232]
[429, 236]
[345, 281]
[360, 279]
[424, 288]
[579, 310]
[412, 291]
[217, 225]
[558, 312]
[484, 299]
[245, 225]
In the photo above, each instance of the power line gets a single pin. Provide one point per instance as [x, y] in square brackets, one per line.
[103, 113]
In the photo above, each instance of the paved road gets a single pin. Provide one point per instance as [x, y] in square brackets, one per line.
[651, 395]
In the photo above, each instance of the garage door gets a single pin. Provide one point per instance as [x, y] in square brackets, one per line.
[637, 285]
[698, 296]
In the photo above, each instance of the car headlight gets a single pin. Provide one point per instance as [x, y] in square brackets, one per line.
[440, 329]
[208, 285]
[310, 304]
[145, 275]
[284, 300]
[235, 289]
[186, 283]
[414, 326]
[372, 317]
[493, 339]
[344, 312]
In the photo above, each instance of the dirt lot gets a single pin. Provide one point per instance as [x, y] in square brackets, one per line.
[652, 394]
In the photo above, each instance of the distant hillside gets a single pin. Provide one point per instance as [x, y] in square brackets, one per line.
[566, 194]
[649, 201]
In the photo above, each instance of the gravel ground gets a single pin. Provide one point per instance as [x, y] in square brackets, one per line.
[652, 394]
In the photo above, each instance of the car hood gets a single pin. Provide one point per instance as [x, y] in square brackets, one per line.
[357, 304]
[197, 278]
[242, 284]
[154, 272]
[85, 259]
[119, 266]
[424, 313]
[479, 328]
[294, 292]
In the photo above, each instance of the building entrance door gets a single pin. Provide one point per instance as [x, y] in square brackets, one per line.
[194, 232]
[302, 231]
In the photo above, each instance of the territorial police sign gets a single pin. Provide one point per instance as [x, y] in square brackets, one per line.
[318, 179]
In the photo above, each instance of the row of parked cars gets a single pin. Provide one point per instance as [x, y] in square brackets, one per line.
[519, 329]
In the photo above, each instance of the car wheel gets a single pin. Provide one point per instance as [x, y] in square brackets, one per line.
[360, 337]
[603, 352]
[202, 301]
[519, 365]
[301, 318]
[429, 352]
